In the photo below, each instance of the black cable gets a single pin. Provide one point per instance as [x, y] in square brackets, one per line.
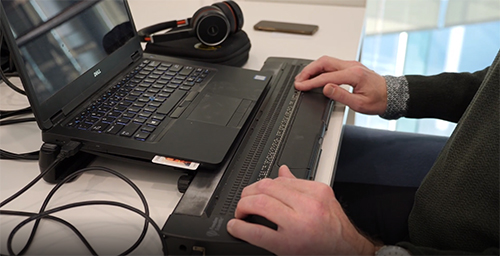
[74, 175]
[11, 74]
[67, 150]
[25, 188]
[17, 121]
[6, 80]
[69, 225]
[4, 154]
[35, 155]
[10, 113]
[10, 84]
[148, 219]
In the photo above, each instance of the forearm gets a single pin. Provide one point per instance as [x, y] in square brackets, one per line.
[444, 96]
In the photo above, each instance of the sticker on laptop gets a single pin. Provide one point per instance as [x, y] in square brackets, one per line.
[175, 162]
[260, 77]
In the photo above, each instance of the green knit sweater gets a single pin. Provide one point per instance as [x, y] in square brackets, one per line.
[456, 209]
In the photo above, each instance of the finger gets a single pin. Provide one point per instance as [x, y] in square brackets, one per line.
[321, 65]
[255, 234]
[345, 76]
[315, 82]
[275, 189]
[343, 96]
[285, 172]
[311, 70]
[265, 206]
[289, 191]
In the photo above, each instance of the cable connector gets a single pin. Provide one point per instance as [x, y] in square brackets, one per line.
[69, 149]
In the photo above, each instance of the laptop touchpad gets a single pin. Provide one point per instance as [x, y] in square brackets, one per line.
[215, 109]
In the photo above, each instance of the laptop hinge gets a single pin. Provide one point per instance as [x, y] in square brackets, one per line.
[135, 56]
[58, 117]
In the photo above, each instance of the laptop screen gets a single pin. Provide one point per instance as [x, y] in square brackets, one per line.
[61, 40]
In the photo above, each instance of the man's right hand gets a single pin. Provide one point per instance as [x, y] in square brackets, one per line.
[369, 94]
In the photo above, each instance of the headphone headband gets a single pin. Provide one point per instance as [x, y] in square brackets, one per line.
[146, 33]
[210, 24]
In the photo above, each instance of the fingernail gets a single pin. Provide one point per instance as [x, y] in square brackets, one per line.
[230, 224]
[299, 84]
[329, 90]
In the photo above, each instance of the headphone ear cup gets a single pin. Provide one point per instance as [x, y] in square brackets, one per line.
[233, 13]
[235, 8]
[226, 9]
[210, 25]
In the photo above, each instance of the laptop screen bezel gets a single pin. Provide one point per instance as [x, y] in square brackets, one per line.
[78, 91]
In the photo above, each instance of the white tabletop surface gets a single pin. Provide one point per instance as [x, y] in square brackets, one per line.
[112, 230]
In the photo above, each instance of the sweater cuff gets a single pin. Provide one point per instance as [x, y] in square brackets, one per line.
[397, 97]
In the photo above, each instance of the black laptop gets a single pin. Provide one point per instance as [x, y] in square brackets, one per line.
[88, 80]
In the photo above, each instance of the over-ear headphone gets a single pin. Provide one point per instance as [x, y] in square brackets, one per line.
[210, 24]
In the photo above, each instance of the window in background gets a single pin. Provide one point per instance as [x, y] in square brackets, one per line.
[428, 37]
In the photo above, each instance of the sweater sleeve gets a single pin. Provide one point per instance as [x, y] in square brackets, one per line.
[444, 96]
[397, 97]
[419, 250]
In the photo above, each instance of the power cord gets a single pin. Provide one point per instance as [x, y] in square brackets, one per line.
[35, 155]
[9, 113]
[10, 84]
[69, 225]
[4, 77]
[4, 154]
[69, 150]
[88, 203]
[74, 175]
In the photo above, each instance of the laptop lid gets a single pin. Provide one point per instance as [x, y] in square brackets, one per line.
[68, 49]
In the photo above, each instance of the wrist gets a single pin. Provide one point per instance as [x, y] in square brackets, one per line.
[397, 97]
[377, 248]
[369, 248]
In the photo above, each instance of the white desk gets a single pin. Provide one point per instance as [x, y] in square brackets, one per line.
[112, 230]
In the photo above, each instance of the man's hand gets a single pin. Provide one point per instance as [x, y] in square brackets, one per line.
[369, 95]
[310, 220]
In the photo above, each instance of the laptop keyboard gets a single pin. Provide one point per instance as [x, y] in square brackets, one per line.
[142, 101]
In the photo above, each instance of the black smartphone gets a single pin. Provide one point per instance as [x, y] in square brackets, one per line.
[286, 27]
